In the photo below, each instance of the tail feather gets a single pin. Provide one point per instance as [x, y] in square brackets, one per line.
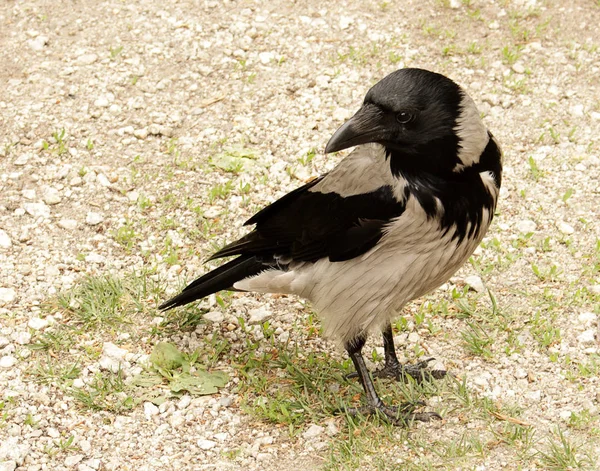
[218, 279]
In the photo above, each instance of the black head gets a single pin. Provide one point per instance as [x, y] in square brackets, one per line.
[419, 117]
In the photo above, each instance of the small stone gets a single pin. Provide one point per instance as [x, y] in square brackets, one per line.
[37, 210]
[68, 224]
[133, 196]
[518, 67]
[206, 444]
[565, 415]
[520, 373]
[22, 338]
[52, 432]
[577, 111]
[78, 383]
[7, 296]
[266, 57]
[93, 219]
[184, 401]
[4, 342]
[87, 59]
[5, 241]
[102, 102]
[76, 181]
[71, 461]
[38, 43]
[259, 315]
[9, 465]
[595, 289]
[150, 410]
[85, 446]
[587, 337]
[413, 337]
[141, 133]
[13, 449]
[22, 159]
[112, 351]
[37, 323]
[565, 228]
[103, 180]
[7, 361]
[226, 401]
[526, 226]
[475, 283]
[312, 432]
[94, 258]
[214, 316]
[51, 196]
[94, 463]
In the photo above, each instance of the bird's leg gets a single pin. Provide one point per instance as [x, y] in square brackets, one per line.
[396, 415]
[393, 369]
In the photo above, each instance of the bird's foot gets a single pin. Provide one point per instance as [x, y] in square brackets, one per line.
[401, 415]
[419, 371]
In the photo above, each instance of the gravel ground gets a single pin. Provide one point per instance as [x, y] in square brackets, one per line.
[140, 135]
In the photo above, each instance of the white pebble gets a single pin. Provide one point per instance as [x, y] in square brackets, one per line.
[37, 210]
[518, 67]
[71, 461]
[587, 337]
[413, 337]
[184, 401]
[68, 224]
[5, 241]
[312, 432]
[206, 444]
[565, 228]
[259, 315]
[7, 361]
[51, 196]
[475, 282]
[141, 133]
[266, 57]
[103, 180]
[22, 338]
[93, 219]
[102, 102]
[526, 226]
[150, 410]
[7, 296]
[87, 59]
[37, 323]
[112, 351]
[214, 316]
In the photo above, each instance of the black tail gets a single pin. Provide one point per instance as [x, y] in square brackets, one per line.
[220, 278]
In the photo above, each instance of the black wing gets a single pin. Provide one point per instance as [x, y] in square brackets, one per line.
[308, 225]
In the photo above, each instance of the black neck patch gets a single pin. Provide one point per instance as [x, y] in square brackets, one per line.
[463, 196]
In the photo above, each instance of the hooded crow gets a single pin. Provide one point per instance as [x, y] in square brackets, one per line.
[391, 222]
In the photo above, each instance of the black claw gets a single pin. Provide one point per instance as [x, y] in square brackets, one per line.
[395, 370]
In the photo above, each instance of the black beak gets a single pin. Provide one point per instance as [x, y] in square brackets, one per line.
[365, 126]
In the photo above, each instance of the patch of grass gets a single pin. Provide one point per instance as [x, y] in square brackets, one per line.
[562, 454]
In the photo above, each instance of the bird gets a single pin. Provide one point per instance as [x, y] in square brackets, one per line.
[395, 219]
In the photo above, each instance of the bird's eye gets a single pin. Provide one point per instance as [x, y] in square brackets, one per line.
[403, 117]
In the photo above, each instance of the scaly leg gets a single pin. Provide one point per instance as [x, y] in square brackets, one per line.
[392, 367]
[396, 415]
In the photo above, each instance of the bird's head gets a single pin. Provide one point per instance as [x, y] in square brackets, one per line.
[425, 121]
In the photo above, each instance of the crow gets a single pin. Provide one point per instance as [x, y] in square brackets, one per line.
[392, 221]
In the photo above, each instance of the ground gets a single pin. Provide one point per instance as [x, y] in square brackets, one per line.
[135, 139]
